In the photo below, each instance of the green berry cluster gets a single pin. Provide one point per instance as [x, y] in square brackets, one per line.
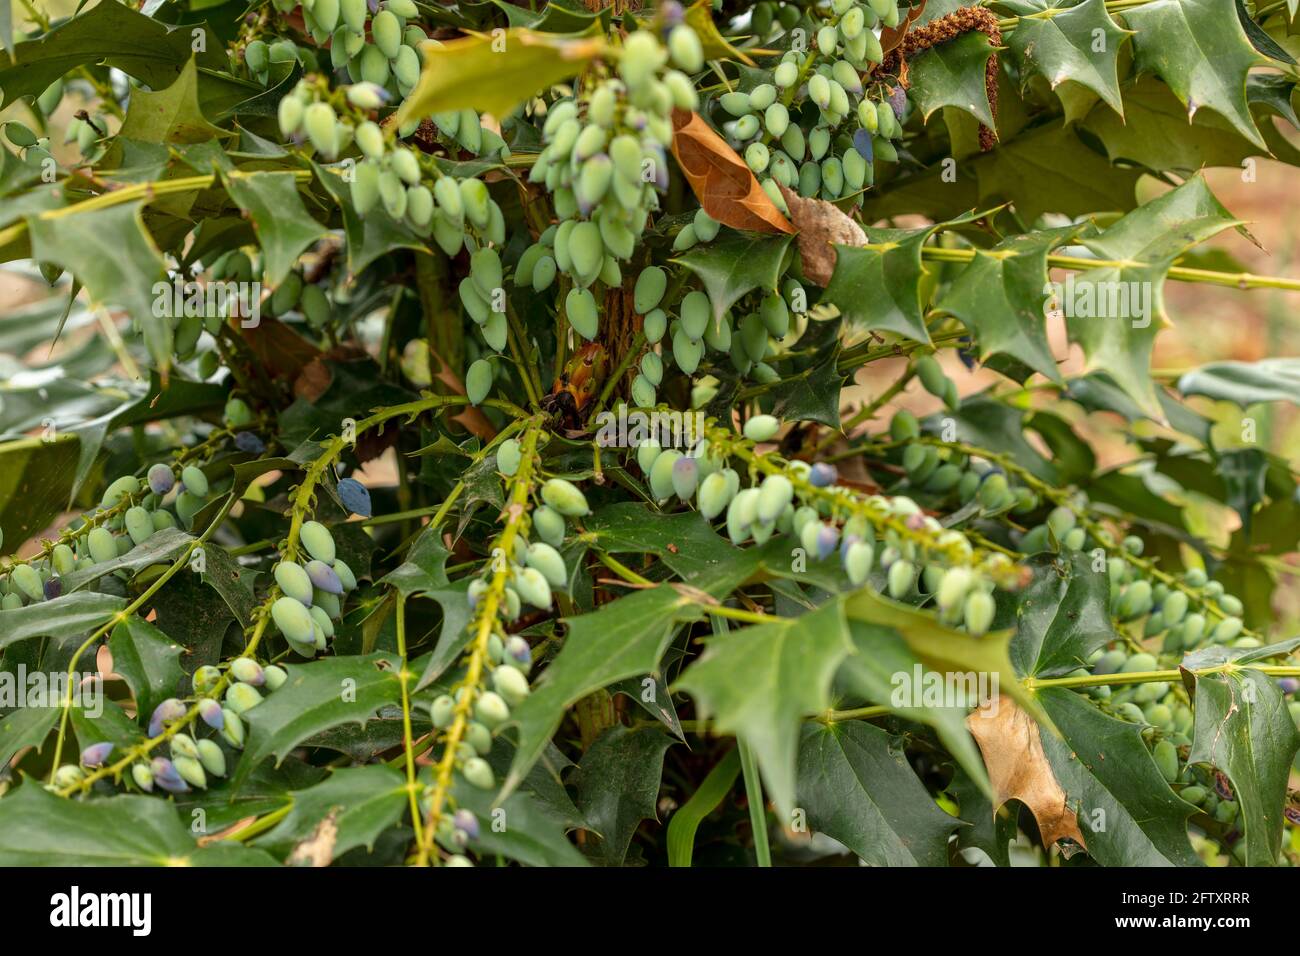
[812, 124]
[605, 162]
[311, 595]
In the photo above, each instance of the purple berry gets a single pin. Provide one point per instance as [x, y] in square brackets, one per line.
[828, 536]
[211, 713]
[823, 475]
[465, 821]
[96, 754]
[862, 143]
[324, 578]
[898, 100]
[161, 479]
[167, 776]
[517, 650]
[355, 497]
[672, 13]
[247, 441]
[169, 710]
[1288, 685]
[53, 588]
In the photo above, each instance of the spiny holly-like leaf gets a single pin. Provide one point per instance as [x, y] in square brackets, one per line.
[25, 727]
[35, 483]
[1061, 617]
[171, 115]
[734, 264]
[1243, 728]
[40, 829]
[111, 33]
[533, 834]
[1154, 132]
[159, 548]
[759, 682]
[67, 616]
[1200, 50]
[1145, 244]
[1126, 811]
[856, 785]
[878, 285]
[317, 696]
[494, 73]
[721, 180]
[618, 786]
[1053, 170]
[873, 673]
[365, 801]
[941, 648]
[1079, 44]
[116, 260]
[283, 226]
[1245, 383]
[952, 74]
[622, 639]
[148, 660]
[999, 297]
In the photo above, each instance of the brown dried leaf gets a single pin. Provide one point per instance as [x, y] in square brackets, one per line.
[318, 849]
[1018, 769]
[890, 37]
[281, 352]
[821, 226]
[720, 179]
[313, 381]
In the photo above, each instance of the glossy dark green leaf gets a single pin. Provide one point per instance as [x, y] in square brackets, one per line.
[148, 660]
[1244, 729]
[112, 33]
[170, 115]
[759, 682]
[999, 296]
[884, 669]
[624, 638]
[952, 74]
[1118, 337]
[1127, 813]
[736, 263]
[364, 801]
[115, 258]
[1199, 49]
[1060, 617]
[856, 786]
[283, 226]
[35, 484]
[519, 827]
[25, 727]
[69, 616]
[1079, 44]
[161, 547]
[40, 829]
[618, 786]
[317, 696]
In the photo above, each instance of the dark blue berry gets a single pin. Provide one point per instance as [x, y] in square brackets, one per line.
[355, 497]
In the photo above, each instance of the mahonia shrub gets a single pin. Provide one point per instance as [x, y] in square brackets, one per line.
[473, 436]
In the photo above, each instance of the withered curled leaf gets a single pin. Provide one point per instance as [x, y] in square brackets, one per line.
[821, 228]
[1019, 770]
[723, 184]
